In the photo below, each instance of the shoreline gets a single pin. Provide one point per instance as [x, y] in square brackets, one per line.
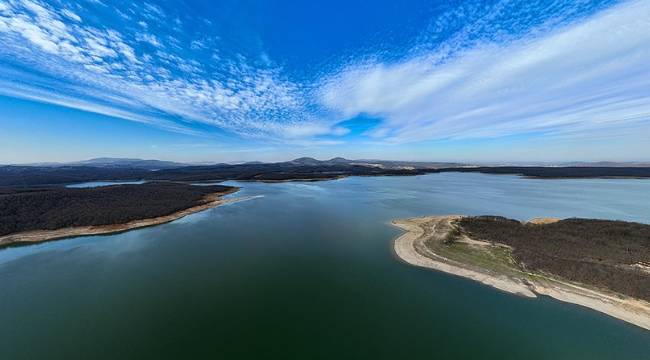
[411, 248]
[37, 236]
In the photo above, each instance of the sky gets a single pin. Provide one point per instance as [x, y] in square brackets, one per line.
[229, 81]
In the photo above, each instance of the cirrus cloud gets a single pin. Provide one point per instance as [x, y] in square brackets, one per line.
[589, 76]
[513, 67]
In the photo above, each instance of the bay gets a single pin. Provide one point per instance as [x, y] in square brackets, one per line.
[307, 272]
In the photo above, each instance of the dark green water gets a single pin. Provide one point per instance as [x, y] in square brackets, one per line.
[307, 272]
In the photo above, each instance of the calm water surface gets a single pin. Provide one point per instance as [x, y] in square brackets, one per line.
[91, 184]
[307, 272]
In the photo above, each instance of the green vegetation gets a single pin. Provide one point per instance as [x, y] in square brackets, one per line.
[496, 259]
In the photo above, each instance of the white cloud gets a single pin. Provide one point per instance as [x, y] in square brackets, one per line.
[148, 38]
[98, 69]
[576, 79]
[586, 76]
[152, 11]
[36, 8]
[99, 48]
[198, 44]
[9, 88]
[71, 15]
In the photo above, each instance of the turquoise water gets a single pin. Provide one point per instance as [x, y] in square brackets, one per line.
[307, 272]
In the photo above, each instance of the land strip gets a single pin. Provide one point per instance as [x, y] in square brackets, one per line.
[60, 213]
[437, 242]
[300, 169]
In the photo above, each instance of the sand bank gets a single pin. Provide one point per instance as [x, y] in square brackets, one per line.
[417, 247]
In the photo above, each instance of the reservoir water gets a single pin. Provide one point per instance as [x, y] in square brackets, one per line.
[307, 272]
[104, 183]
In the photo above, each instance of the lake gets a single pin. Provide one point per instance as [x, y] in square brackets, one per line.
[307, 271]
[104, 183]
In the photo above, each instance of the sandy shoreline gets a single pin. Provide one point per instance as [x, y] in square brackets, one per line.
[411, 248]
[34, 236]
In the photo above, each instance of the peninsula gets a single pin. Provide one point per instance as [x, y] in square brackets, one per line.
[603, 265]
[49, 213]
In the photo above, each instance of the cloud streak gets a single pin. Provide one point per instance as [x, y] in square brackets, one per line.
[586, 77]
[555, 68]
[140, 75]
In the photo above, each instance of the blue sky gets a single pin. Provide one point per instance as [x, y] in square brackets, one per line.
[271, 80]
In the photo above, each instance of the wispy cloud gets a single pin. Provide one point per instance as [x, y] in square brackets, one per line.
[148, 38]
[110, 69]
[566, 69]
[587, 76]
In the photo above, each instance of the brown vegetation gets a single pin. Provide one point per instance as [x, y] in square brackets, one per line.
[600, 253]
[299, 169]
[56, 208]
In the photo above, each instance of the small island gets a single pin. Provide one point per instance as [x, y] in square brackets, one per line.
[600, 264]
[48, 213]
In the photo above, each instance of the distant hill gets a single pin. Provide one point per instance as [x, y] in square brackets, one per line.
[306, 161]
[339, 160]
[383, 164]
[106, 162]
[314, 162]
[607, 164]
[151, 164]
[601, 164]
[304, 168]
[129, 163]
[399, 164]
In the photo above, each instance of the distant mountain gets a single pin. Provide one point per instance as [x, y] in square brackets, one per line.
[339, 160]
[313, 162]
[306, 169]
[106, 162]
[602, 164]
[607, 164]
[398, 164]
[132, 163]
[306, 161]
[383, 164]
